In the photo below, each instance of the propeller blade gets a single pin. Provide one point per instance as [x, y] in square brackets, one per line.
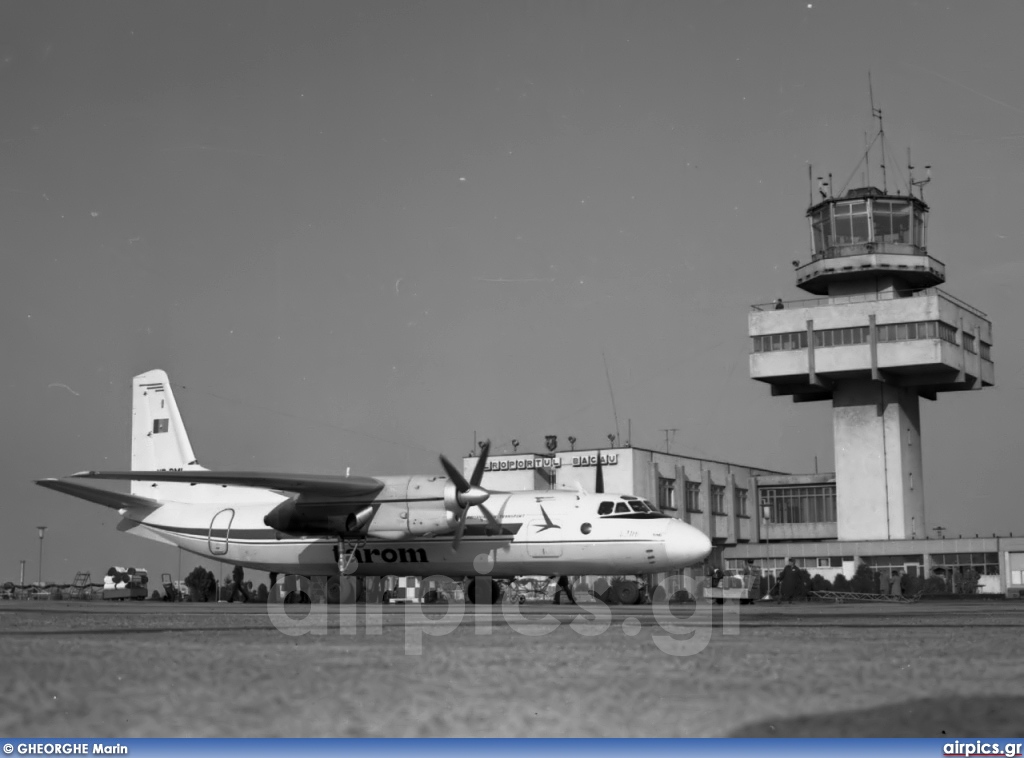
[455, 475]
[490, 518]
[478, 471]
[599, 477]
[459, 530]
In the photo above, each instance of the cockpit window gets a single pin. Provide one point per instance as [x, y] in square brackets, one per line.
[638, 507]
[621, 508]
[605, 508]
[649, 506]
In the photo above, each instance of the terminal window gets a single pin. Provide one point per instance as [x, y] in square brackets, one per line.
[983, 563]
[693, 497]
[890, 563]
[666, 493]
[804, 504]
[1016, 568]
[718, 499]
[740, 498]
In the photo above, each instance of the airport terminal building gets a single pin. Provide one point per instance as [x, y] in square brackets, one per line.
[761, 518]
[874, 336]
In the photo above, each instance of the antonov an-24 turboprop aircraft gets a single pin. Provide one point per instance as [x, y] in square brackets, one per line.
[315, 525]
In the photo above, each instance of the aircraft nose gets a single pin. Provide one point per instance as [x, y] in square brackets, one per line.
[685, 544]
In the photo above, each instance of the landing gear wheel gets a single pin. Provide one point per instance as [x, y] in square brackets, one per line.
[476, 591]
[624, 593]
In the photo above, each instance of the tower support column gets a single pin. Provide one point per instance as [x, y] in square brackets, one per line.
[879, 476]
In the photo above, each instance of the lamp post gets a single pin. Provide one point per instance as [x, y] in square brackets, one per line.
[766, 517]
[42, 530]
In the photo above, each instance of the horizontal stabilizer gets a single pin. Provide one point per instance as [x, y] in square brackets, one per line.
[115, 500]
[310, 487]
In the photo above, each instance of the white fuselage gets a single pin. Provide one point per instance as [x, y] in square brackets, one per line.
[556, 532]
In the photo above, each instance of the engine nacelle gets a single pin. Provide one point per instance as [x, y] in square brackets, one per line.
[290, 517]
[412, 520]
[357, 521]
[432, 519]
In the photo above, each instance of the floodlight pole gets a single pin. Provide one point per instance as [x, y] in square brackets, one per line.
[766, 516]
[42, 530]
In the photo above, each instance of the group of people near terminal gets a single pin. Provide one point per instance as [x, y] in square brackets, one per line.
[794, 583]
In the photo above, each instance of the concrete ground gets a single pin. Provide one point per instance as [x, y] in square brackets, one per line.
[154, 670]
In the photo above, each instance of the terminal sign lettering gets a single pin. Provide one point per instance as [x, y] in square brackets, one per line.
[518, 464]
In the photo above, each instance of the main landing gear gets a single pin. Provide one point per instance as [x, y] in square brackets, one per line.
[483, 590]
[345, 554]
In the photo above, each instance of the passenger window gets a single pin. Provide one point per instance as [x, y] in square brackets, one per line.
[621, 508]
[605, 508]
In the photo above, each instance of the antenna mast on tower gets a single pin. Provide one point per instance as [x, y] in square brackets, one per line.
[615, 413]
[877, 113]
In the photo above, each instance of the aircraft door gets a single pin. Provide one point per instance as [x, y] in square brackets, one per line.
[220, 531]
[538, 545]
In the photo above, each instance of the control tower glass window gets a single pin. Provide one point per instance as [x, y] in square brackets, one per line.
[851, 222]
[892, 221]
[821, 224]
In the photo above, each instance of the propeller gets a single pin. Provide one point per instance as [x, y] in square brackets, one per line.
[470, 493]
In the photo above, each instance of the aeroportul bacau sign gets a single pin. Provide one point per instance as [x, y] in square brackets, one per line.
[548, 462]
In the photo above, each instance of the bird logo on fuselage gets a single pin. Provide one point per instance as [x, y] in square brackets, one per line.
[548, 523]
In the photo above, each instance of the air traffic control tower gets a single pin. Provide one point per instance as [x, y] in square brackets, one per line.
[878, 336]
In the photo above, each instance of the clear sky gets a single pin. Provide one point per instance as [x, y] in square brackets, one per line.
[356, 234]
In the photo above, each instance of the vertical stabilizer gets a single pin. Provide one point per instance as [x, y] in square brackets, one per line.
[160, 443]
[159, 439]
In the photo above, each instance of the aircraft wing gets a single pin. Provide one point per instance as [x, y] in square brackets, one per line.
[311, 488]
[115, 500]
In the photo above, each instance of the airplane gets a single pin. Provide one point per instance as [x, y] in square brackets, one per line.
[320, 525]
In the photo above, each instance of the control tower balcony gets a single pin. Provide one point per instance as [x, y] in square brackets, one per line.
[851, 264]
[926, 340]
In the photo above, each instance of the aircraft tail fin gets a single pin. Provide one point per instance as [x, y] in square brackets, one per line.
[160, 443]
[159, 439]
